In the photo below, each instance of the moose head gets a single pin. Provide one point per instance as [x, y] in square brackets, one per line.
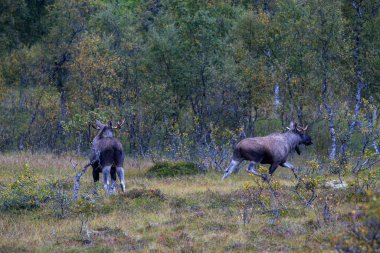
[305, 139]
[106, 130]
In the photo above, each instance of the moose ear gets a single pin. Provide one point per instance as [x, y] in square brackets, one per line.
[293, 125]
[98, 124]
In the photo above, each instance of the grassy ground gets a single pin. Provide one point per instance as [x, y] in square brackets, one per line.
[192, 214]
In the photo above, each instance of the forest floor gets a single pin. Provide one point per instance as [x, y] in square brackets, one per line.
[185, 214]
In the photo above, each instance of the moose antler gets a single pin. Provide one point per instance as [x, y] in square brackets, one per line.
[119, 124]
[302, 129]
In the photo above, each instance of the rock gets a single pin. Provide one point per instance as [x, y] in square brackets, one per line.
[336, 184]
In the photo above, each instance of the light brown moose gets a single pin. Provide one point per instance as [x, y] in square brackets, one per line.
[273, 149]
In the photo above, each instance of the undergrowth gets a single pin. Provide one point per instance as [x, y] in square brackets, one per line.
[192, 214]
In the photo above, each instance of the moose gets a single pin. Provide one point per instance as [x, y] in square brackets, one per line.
[107, 156]
[272, 149]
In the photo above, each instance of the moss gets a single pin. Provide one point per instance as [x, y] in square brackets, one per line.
[173, 169]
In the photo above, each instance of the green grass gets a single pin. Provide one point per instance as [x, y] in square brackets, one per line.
[198, 213]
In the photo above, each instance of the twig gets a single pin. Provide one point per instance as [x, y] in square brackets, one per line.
[372, 163]
[312, 198]
[73, 164]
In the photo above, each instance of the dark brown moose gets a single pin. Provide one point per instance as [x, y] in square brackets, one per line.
[107, 156]
[273, 149]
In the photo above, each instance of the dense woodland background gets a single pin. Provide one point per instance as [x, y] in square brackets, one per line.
[191, 78]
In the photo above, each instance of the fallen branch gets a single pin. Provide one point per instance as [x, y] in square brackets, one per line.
[77, 178]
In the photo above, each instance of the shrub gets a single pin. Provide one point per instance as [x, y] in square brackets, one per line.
[362, 233]
[61, 198]
[172, 169]
[85, 207]
[27, 192]
[262, 196]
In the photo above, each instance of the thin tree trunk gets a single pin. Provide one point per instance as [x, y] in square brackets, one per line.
[63, 111]
[59, 73]
[358, 76]
[21, 142]
[205, 114]
[23, 81]
[62, 104]
[79, 146]
[132, 133]
[330, 116]
[374, 143]
[277, 101]
[276, 89]
[26, 134]
[372, 120]
[327, 106]
[291, 103]
[300, 113]
[251, 123]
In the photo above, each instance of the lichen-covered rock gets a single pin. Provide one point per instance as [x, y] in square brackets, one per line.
[336, 184]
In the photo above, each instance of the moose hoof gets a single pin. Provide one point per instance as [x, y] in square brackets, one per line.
[226, 174]
[122, 188]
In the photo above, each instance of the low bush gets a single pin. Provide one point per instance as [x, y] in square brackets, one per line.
[172, 169]
[60, 199]
[362, 234]
[27, 192]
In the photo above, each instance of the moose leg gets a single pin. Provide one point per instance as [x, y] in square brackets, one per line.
[113, 180]
[106, 174]
[252, 168]
[272, 169]
[95, 175]
[290, 166]
[231, 168]
[120, 173]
